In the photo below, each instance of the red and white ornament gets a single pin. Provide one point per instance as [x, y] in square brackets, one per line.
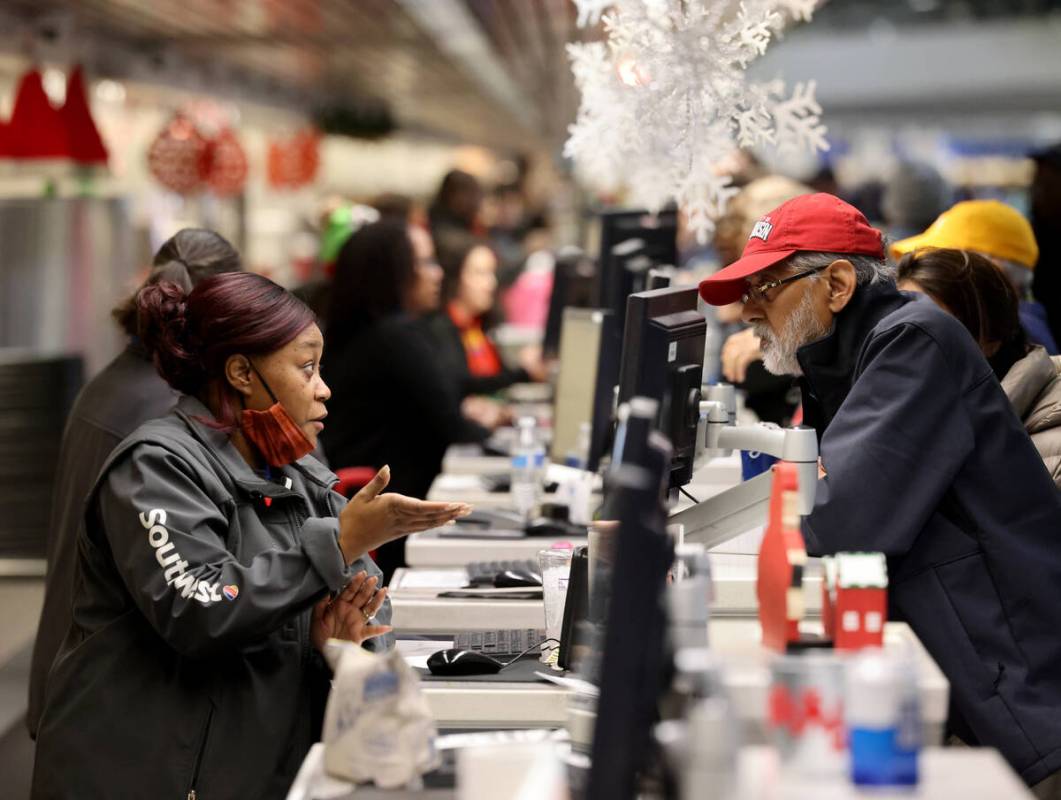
[179, 158]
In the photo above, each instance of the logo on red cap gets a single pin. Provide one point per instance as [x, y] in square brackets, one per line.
[762, 229]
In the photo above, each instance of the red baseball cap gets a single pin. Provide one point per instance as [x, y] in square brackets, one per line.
[818, 223]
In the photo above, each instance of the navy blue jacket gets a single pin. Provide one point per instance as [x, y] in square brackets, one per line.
[1036, 325]
[928, 463]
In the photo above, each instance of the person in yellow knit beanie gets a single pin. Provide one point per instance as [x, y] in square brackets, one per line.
[1001, 233]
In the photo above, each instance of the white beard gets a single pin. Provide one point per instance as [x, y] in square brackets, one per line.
[802, 327]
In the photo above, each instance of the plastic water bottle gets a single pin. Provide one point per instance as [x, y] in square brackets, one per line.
[883, 719]
[579, 456]
[528, 466]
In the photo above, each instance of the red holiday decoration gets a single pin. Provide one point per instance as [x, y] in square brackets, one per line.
[86, 145]
[855, 599]
[5, 147]
[37, 129]
[782, 557]
[228, 164]
[293, 162]
[179, 158]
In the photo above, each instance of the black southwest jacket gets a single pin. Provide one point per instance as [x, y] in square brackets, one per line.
[189, 667]
[928, 463]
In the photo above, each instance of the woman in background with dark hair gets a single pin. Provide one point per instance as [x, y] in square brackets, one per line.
[469, 285]
[215, 562]
[392, 403]
[124, 395]
[975, 291]
[457, 205]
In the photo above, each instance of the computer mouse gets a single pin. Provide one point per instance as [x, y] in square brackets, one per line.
[516, 579]
[462, 662]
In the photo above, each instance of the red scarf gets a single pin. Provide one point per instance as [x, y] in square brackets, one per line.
[482, 357]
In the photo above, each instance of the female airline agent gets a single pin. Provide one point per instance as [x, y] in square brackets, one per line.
[214, 564]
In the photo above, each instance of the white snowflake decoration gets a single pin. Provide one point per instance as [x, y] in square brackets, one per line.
[666, 98]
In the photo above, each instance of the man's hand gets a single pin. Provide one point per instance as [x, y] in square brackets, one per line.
[371, 519]
[349, 614]
[738, 353]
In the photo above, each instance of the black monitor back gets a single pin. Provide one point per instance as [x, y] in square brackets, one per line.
[608, 366]
[632, 662]
[663, 356]
[631, 244]
[574, 279]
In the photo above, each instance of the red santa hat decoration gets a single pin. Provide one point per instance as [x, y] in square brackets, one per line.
[41, 133]
[85, 143]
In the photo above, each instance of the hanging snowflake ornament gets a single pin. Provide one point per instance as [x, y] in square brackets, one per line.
[666, 99]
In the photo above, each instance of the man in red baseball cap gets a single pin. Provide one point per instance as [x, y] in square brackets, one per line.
[923, 457]
[797, 240]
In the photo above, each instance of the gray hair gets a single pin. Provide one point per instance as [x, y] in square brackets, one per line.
[868, 270]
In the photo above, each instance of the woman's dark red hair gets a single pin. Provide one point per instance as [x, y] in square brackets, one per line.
[191, 335]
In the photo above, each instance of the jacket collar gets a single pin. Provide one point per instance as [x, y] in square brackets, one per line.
[193, 411]
[460, 318]
[829, 363]
[1027, 380]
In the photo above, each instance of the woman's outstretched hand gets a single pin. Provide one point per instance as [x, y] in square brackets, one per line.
[371, 519]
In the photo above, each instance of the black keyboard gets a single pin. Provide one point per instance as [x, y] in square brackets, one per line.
[481, 573]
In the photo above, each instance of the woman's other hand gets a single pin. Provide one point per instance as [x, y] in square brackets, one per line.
[371, 519]
[349, 615]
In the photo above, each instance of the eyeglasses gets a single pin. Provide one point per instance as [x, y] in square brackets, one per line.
[758, 293]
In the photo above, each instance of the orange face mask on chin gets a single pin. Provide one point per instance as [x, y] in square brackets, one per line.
[273, 432]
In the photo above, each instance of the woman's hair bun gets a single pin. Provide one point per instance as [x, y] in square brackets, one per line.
[162, 327]
[175, 271]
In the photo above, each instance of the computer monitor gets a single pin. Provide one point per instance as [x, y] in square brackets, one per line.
[663, 358]
[590, 347]
[574, 277]
[631, 664]
[632, 243]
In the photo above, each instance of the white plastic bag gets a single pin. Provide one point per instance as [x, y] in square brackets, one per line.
[377, 726]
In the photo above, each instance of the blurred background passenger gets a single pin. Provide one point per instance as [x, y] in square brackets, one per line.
[469, 291]
[395, 207]
[456, 205]
[125, 394]
[1046, 222]
[975, 291]
[391, 404]
[1000, 233]
[509, 222]
[914, 195]
[339, 220]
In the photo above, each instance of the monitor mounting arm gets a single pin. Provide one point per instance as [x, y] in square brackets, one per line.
[744, 506]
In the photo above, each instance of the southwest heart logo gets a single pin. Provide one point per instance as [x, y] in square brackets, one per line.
[230, 592]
